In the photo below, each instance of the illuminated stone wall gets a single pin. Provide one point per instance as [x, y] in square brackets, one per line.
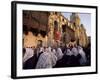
[31, 40]
[73, 29]
[61, 20]
[80, 32]
[35, 23]
[83, 39]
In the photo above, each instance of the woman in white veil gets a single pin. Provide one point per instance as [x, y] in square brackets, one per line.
[28, 54]
[47, 59]
[69, 53]
[83, 59]
[53, 57]
[74, 51]
[59, 53]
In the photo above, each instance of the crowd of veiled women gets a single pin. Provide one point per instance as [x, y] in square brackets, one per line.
[55, 56]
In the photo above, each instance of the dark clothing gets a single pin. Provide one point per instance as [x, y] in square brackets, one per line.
[68, 61]
[31, 62]
[74, 60]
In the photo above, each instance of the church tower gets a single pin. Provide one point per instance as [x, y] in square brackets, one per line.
[75, 19]
[78, 27]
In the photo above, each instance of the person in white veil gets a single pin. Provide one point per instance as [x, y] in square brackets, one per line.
[69, 53]
[58, 51]
[43, 60]
[83, 59]
[53, 57]
[28, 54]
[74, 51]
[46, 59]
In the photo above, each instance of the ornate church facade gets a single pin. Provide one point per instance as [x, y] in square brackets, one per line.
[68, 29]
[51, 26]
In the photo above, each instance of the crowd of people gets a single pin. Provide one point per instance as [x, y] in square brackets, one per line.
[54, 56]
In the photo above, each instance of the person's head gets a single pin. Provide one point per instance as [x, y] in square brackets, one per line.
[54, 44]
[67, 45]
[49, 49]
[41, 49]
[58, 43]
[33, 47]
[45, 49]
[75, 45]
[39, 43]
[74, 51]
[61, 44]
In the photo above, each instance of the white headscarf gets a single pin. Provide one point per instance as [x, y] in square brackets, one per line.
[41, 49]
[69, 52]
[29, 53]
[59, 54]
[53, 57]
[46, 59]
[43, 61]
[83, 56]
[74, 51]
[49, 49]
[54, 51]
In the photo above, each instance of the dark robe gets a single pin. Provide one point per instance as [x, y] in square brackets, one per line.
[31, 62]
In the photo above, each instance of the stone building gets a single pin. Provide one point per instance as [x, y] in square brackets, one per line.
[80, 32]
[83, 38]
[51, 26]
[59, 24]
[35, 27]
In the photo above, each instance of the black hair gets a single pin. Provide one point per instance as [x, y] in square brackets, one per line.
[24, 50]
